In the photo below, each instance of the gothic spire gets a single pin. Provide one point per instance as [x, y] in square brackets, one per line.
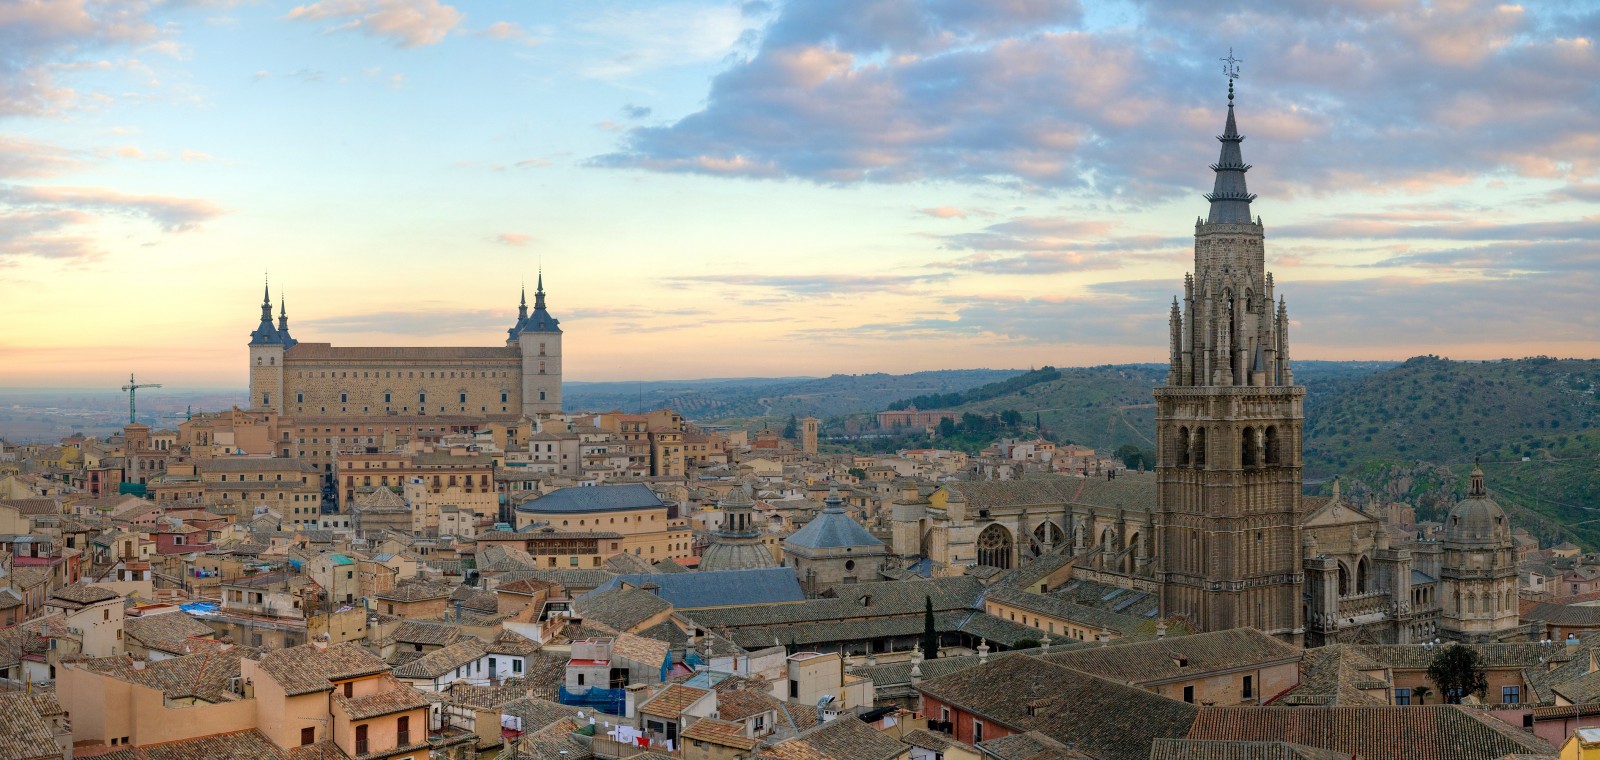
[522, 308]
[1230, 199]
[538, 291]
[266, 300]
[265, 333]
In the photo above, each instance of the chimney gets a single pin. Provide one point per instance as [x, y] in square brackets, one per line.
[630, 700]
[1161, 630]
[983, 651]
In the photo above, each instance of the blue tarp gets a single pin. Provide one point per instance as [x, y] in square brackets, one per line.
[199, 608]
[608, 701]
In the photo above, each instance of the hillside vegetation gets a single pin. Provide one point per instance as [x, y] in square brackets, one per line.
[744, 399]
[1412, 432]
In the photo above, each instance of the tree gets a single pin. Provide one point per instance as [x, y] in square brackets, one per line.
[1458, 671]
[1135, 458]
[792, 427]
[1025, 644]
[930, 634]
[947, 428]
[1421, 693]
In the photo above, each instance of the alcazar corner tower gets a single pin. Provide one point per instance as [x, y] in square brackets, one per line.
[316, 381]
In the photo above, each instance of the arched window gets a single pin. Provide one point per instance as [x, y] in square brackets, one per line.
[1183, 446]
[1247, 448]
[994, 547]
[1199, 447]
[1361, 577]
[1344, 580]
[1272, 452]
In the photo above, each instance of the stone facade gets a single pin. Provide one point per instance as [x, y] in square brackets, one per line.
[520, 379]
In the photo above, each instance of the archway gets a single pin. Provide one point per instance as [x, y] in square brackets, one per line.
[994, 547]
[1046, 534]
[1247, 448]
[1362, 586]
[1344, 580]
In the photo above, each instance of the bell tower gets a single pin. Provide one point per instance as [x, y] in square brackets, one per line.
[538, 336]
[1228, 427]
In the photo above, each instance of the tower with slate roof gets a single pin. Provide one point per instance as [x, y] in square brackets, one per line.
[1228, 428]
[537, 335]
[267, 344]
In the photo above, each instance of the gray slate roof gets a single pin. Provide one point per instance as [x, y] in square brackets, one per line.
[585, 499]
[833, 529]
[716, 588]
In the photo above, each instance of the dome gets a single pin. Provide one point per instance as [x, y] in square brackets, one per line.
[736, 555]
[1477, 518]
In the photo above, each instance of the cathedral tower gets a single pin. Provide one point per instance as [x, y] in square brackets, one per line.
[538, 335]
[1228, 426]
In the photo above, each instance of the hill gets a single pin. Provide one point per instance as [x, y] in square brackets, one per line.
[1110, 406]
[1411, 433]
[708, 401]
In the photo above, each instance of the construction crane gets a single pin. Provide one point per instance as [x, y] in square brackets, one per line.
[133, 388]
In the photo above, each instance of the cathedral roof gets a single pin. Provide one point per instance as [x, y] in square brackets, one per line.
[539, 320]
[736, 555]
[832, 529]
[1477, 518]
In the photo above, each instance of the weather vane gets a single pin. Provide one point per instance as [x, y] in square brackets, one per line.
[1230, 65]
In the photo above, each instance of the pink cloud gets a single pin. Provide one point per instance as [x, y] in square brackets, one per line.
[944, 212]
[513, 238]
[407, 23]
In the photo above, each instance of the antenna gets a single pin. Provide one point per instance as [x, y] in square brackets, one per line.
[1230, 65]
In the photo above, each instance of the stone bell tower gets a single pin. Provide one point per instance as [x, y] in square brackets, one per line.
[1228, 428]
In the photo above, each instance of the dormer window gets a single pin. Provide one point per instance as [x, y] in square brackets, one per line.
[1180, 660]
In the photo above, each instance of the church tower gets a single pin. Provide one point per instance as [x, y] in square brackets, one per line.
[538, 335]
[1478, 569]
[267, 344]
[1228, 427]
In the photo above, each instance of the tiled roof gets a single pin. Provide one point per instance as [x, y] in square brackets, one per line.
[83, 593]
[668, 565]
[721, 733]
[1333, 675]
[584, 500]
[203, 675]
[33, 507]
[1063, 609]
[1417, 656]
[305, 669]
[392, 697]
[237, 745]
[417, 591]
[512, 643]
[843, 738]
[537, 713]
[745, 589]
[1029, 745]
[1106, 719]
[1196, 749]
[1133, 491]
[1159, 661]
[442, 661]
[1564, 614]
[620, 608]
[488, 696]
[422, 632]
[23, 732]
[1432, 732]
[380, 498]
[881, 599]
[166, 632]
[672, 701]
[625, 562]
[377, 353]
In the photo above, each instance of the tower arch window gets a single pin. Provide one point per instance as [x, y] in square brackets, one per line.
[1183, 446]
[994, 547]
[1247, 448]
[1273, 449]
[1199, 447]
[1362, 581]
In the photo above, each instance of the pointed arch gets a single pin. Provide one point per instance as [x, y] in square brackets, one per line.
[1199, 447]
[1247, 447]
[1183, 446]
[1273, 453]
[1344, 579]
[1363, 582]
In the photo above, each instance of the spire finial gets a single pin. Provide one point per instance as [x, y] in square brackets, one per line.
[266, 288]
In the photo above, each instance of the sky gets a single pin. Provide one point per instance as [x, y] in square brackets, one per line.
[763, 188]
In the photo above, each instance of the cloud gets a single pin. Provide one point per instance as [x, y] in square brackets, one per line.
[510, 31]
[171, 214]
[513, 238]
[44, 38]
[635, 112]
[815, 285]
[1023, 94]
[46, 234]
[944, 212]
[665, 35]
[21, 157]
[406, 23]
